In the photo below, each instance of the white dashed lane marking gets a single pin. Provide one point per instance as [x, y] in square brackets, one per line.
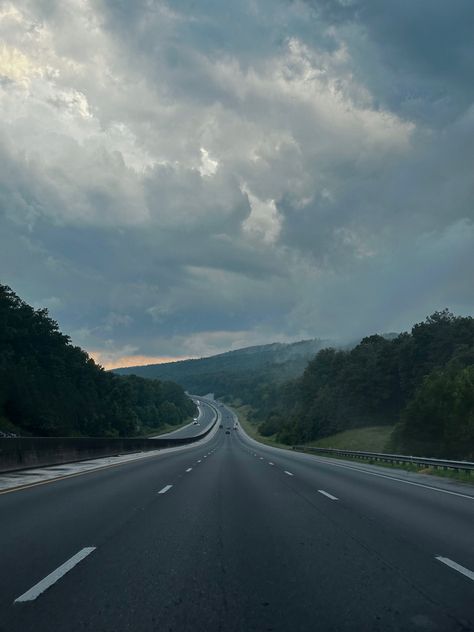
[189, 469]
[455, 566]
[327, 494]
[165, 489]
[53, 577]
[289, 473]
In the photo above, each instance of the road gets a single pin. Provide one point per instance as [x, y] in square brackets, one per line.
[231, 535]
[204, 420]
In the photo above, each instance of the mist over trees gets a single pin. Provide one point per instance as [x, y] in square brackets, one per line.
[234, 373]
[48, 387]
[422, 381]
[419, 382]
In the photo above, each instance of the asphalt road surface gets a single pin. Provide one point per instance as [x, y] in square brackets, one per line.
[204, 419]
[230, 535]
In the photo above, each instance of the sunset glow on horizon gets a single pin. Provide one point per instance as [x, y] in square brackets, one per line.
[109, 362]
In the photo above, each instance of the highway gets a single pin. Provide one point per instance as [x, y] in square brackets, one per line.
[232, 535]
[204, 419]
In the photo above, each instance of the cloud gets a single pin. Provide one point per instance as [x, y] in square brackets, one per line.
[181, 178]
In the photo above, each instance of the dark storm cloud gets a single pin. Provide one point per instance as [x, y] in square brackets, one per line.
[417, 58]
[180, 178]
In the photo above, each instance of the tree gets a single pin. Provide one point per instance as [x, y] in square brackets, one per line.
[50, 387]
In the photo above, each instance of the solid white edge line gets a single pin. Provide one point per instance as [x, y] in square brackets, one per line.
[321, 491]
[53, 577]
[289, 473]
[394, 478]
[165, 489]
[457, 567]
[189, 469]
[327, 461]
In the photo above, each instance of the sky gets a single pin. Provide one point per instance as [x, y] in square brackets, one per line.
[180, 178]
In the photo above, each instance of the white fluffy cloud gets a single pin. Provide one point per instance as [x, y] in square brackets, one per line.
[185, 177]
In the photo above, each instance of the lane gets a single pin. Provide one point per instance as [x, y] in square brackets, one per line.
[38, 476]
[41, 527]
[233, 544]
[410, 526]
[204, 419]
[439, 513]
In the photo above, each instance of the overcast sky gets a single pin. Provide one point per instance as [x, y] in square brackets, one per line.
[183, 177]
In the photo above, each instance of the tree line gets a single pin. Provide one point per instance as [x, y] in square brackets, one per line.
[422, 382]
[49, 387]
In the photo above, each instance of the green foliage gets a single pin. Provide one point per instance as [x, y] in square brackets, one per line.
[49, 387]
[271, 425]
[251, 374]
[372, 439]
[439, 420]
[423, 380]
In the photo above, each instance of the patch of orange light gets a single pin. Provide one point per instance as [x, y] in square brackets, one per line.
[109, 361]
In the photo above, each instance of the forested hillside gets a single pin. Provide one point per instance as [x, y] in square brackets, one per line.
[423, 381]
[243, 374]
[48, 387]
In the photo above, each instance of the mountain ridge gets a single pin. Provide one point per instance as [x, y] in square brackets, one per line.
[279, 352]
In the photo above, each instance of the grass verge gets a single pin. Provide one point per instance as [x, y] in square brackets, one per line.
[371, 439]
[455, 475]
[250, 427]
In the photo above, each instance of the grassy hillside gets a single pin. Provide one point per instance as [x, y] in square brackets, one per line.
[371, 439]
[420, 381]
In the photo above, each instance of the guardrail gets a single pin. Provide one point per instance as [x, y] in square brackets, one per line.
[18, 453]
[444, 464]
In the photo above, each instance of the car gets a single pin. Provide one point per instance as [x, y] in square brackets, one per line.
[221, 426]
[227, 431]
[195, 423]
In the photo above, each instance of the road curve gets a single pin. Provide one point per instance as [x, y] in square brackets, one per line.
[205, 418]
[232, 535]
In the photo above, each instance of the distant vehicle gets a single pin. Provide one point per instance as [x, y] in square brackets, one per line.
[221, 426]
[196, 423]
[227, 431]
